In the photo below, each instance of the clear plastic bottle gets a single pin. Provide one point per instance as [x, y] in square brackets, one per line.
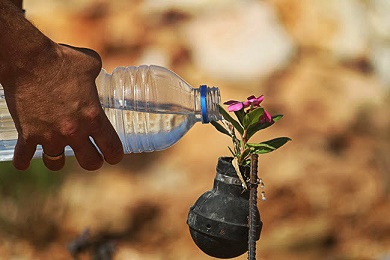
[150, 107]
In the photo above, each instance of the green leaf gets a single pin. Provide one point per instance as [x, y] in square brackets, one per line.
[252, 117]
[227, 117]
[268, 146]
[277, 118]
[246, 162]
[220, 128]
[230, 149]
[277, 142]
[240, 115]
[261, 148]
[254, 129]
[244, 154]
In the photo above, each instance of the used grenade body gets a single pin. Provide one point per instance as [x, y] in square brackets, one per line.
[218, 220]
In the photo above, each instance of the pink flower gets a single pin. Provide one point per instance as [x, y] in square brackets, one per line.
[252, 100]
[234, 105]
[266, 118]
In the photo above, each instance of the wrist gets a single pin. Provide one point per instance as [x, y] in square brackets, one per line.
[18, 3]
[23, 47]
[30, 63]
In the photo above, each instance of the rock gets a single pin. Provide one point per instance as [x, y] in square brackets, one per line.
[87, 208]
[242, 43]
[318, 92]
[188, 6]
[155, 56]
[380, 58]
[339, 27]
[378, 14]
[350, 39]
[131, 253]
[313, 233]
[379, 22]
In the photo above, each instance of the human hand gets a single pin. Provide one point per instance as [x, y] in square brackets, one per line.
[56, 104]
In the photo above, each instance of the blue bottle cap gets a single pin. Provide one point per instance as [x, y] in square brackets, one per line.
[203, 104]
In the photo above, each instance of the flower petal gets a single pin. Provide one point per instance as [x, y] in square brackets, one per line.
[251, 97]
[235, 107]
[266, 118]
[260, 99]
[247, 103]
[230, 102]
[252, 100]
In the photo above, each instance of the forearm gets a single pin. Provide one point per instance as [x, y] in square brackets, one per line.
[22, 44]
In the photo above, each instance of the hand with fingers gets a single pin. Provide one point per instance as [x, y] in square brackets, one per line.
[51, 94]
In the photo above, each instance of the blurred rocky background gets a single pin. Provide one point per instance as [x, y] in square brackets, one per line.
[325, 65]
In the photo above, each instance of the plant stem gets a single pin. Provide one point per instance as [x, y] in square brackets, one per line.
[243, 143]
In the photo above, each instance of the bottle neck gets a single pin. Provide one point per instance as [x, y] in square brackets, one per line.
[206, 104]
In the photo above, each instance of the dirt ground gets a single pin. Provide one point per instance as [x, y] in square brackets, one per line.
[328, 191]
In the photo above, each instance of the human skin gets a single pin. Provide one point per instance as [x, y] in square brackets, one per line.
[51, 95]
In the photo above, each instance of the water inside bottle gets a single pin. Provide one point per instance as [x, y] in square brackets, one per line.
[146, 106]
[149, 131]
[152, 127]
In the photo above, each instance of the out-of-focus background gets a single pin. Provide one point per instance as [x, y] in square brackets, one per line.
[325, 65]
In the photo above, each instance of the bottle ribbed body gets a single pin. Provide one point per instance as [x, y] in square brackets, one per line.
[150, 107]
[8, 133]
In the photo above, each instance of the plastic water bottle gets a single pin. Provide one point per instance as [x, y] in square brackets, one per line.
[150, 107]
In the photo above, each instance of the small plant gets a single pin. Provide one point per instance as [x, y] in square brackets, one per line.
[251, 118]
